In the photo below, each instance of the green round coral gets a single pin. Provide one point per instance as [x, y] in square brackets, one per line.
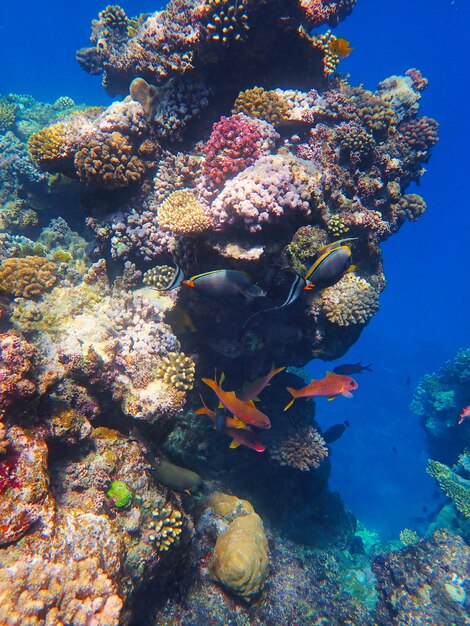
[119, 492]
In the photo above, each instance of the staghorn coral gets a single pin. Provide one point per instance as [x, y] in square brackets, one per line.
[177, 370]
[257, 102]
[452, 484]
[235, 143]
[301, 449]
[27, 277]
[109, 163]
[352, 300]
[182, 213]
[165, 527]
[274, 186]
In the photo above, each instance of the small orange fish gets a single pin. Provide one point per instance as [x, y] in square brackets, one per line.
[243, 410]
[331, 386]
[340, 47]
[230, 422]
[465, 413]
[251, 390]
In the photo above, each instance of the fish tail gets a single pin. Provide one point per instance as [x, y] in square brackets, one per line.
[293, 392]
[235, 444]
[210, 383]
[276, 370]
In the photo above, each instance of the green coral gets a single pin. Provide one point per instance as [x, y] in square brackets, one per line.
[120, 493]
[452, 484]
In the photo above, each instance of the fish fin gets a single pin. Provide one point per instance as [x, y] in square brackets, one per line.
[234, 444]
[351, 268]
[368, 367]
[346, 394]
[258, 399]
[188, 283]
[276, 370]
[222, 378]
[201, 411]
[187, 491]
[293, 392]
[331, 398]
[251, 402]
[331, 374]
[210, 383]
[220, 405]
[232, 394]
[238, 423]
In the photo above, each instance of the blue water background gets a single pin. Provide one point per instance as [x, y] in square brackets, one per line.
[424, 316]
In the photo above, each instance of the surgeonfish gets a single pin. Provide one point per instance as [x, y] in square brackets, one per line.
[352, 368]
[245, 411]
[223, 284]
[329, 268]
[298, 285]
[465, 413]
[331, 386]
[333, 433]
[246, 438]
[251, 390]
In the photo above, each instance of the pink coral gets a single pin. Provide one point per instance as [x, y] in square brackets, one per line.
[235, 143]
[265, 192]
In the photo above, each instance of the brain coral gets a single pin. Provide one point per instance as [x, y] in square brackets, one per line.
[182, 213]
[27, 277]
[257, 102]
[109, 162]
[302, 449]
[240, 559]
[265, 192]
[352, 300]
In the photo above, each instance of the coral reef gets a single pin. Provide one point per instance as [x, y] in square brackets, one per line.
[351, 301]
[27, 277]
[182, 213]
[303, 449]
[438, 400]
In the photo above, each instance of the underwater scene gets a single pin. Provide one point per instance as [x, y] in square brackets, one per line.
[234, 313]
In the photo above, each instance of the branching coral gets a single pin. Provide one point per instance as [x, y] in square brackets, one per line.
[351, 301]
[302, 449]
[182, 213]
[27, 277]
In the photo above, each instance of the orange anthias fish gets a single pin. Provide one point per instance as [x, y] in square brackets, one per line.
[230, 422]
[340, 47]
[331, 386]
[251, 390]
[465, 413]
[243, 410]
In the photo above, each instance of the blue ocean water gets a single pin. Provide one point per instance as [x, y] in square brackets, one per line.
[378, 466]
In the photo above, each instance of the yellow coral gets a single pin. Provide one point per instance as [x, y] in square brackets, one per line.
[227, 506]
[257, 102]
[177, 371]
[337, 226]
[182, 213]
[28, 277]
[159, 277]
[7, 114]
[166, 528]
[352, 300]
[109, 162]
[241, 559]
[49, 144]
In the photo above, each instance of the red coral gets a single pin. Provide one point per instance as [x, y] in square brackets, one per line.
[16, 357]
[235, 143]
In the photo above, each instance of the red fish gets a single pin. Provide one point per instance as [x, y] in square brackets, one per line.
[465, 413]
[331, 386]
[243, 410]
[251, 390]
[245, 437]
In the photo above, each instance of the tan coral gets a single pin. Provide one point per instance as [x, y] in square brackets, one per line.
[109, 162]
[227, 505]
[28, 276]
[241, 559]
[165, 527]
[159, 277]
[177, 371]
[49, 145]
[182, 213]
[257, 102]
[4, 442]
[352, 300]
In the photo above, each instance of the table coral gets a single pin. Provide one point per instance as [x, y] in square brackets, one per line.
[302, 449]
[27, 277]
[352, 300]
[182, 213]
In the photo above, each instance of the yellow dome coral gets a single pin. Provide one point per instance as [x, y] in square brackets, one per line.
[267, 105]
[28, 277]
[351, 301]
[182, 213]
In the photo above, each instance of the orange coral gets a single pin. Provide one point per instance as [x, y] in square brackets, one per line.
[49, 145]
